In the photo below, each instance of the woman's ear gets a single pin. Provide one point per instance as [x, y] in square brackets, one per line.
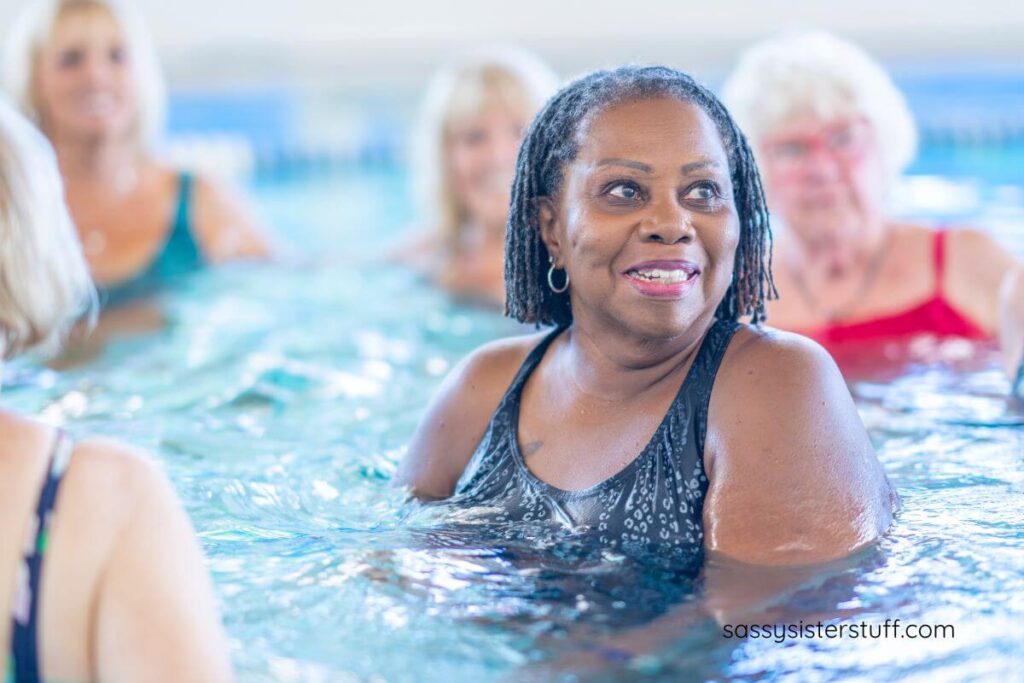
[547, 214]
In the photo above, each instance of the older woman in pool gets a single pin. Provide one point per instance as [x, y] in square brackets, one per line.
[85, 72]
[472, 121]
[832, 133]
[101, 577]
[650, 418]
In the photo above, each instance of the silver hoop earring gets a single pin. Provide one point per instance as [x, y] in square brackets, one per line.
[551, 281]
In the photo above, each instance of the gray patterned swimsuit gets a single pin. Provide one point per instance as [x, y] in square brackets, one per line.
[655, 504]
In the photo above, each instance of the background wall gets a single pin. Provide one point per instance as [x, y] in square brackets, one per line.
[396, 43]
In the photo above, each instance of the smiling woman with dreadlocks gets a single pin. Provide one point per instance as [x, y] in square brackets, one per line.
[650, 417]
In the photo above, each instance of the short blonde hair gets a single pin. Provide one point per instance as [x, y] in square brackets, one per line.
[509, 76]
[44, 280]
[817, 72]
[33, 28]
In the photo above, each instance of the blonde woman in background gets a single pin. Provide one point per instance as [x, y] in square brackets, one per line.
[86, 73]
[472, 120]
[101, 578]
[832, 135]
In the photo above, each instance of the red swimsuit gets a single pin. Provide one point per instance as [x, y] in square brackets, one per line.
[935, 317]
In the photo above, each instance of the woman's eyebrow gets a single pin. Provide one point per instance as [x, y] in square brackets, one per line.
[698, 166]
[638, 165]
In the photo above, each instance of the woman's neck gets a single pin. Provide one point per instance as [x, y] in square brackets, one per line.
[615, 367]
[110, 164]
[828, 263]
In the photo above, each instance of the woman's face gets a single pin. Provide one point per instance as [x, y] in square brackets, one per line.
[826, 179]
[83, 81]
[481, 153]
[645, 223]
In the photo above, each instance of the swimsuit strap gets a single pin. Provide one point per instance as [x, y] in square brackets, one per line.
[181, 252]
[939, 259]
[182, 211]
[531, 361]
[705, 371]
[23, 663]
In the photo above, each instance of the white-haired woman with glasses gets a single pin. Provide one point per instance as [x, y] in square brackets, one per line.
[472, 120]
[832, 134]
[86, 73]
[101, 577]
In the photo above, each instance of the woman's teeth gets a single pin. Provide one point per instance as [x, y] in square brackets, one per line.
[664, 276]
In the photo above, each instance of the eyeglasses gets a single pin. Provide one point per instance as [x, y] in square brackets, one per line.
[844, 142]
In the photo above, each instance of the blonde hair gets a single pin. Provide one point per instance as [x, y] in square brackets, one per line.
[33, 28]
[819, 73]
[508, 76]
[44, 280]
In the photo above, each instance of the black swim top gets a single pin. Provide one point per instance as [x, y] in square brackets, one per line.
[654, 505]
[23, 659]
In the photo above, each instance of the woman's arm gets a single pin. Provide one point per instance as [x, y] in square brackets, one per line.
[793, 477]
[986, 281]
[1011, 328]
[226, 226]
[456, 419]
[155, 616]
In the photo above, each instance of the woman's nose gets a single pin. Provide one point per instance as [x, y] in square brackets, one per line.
[97, 69]
[668, 222]
[819, 163]
[502, 152]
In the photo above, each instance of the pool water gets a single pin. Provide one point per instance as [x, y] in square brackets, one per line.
[279, 399]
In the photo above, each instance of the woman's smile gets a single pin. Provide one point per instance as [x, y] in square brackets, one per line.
[663, 279]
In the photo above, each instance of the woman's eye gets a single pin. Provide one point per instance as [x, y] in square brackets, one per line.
[789, 150]
[626, 191]
[117, 55]
[70, 58]
[473, 137]
[703, 192]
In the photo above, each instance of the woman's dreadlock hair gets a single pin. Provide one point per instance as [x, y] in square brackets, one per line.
[551, 143]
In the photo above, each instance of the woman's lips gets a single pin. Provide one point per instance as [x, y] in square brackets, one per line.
[663, 279]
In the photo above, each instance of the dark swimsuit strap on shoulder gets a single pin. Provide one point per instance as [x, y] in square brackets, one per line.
[23, 662]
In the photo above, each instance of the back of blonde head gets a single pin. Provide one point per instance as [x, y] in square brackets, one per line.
[818, 73]
[44, 279]
[32, 29]
[508, 76]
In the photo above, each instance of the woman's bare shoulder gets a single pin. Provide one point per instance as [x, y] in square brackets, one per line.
[458, 415]
[783, 382]
[500, 359]
[768, 351]
[475, 386]
[782, 423]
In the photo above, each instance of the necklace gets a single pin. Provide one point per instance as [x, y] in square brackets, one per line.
[832, 315]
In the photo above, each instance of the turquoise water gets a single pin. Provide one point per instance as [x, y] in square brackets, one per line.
[279, 400]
